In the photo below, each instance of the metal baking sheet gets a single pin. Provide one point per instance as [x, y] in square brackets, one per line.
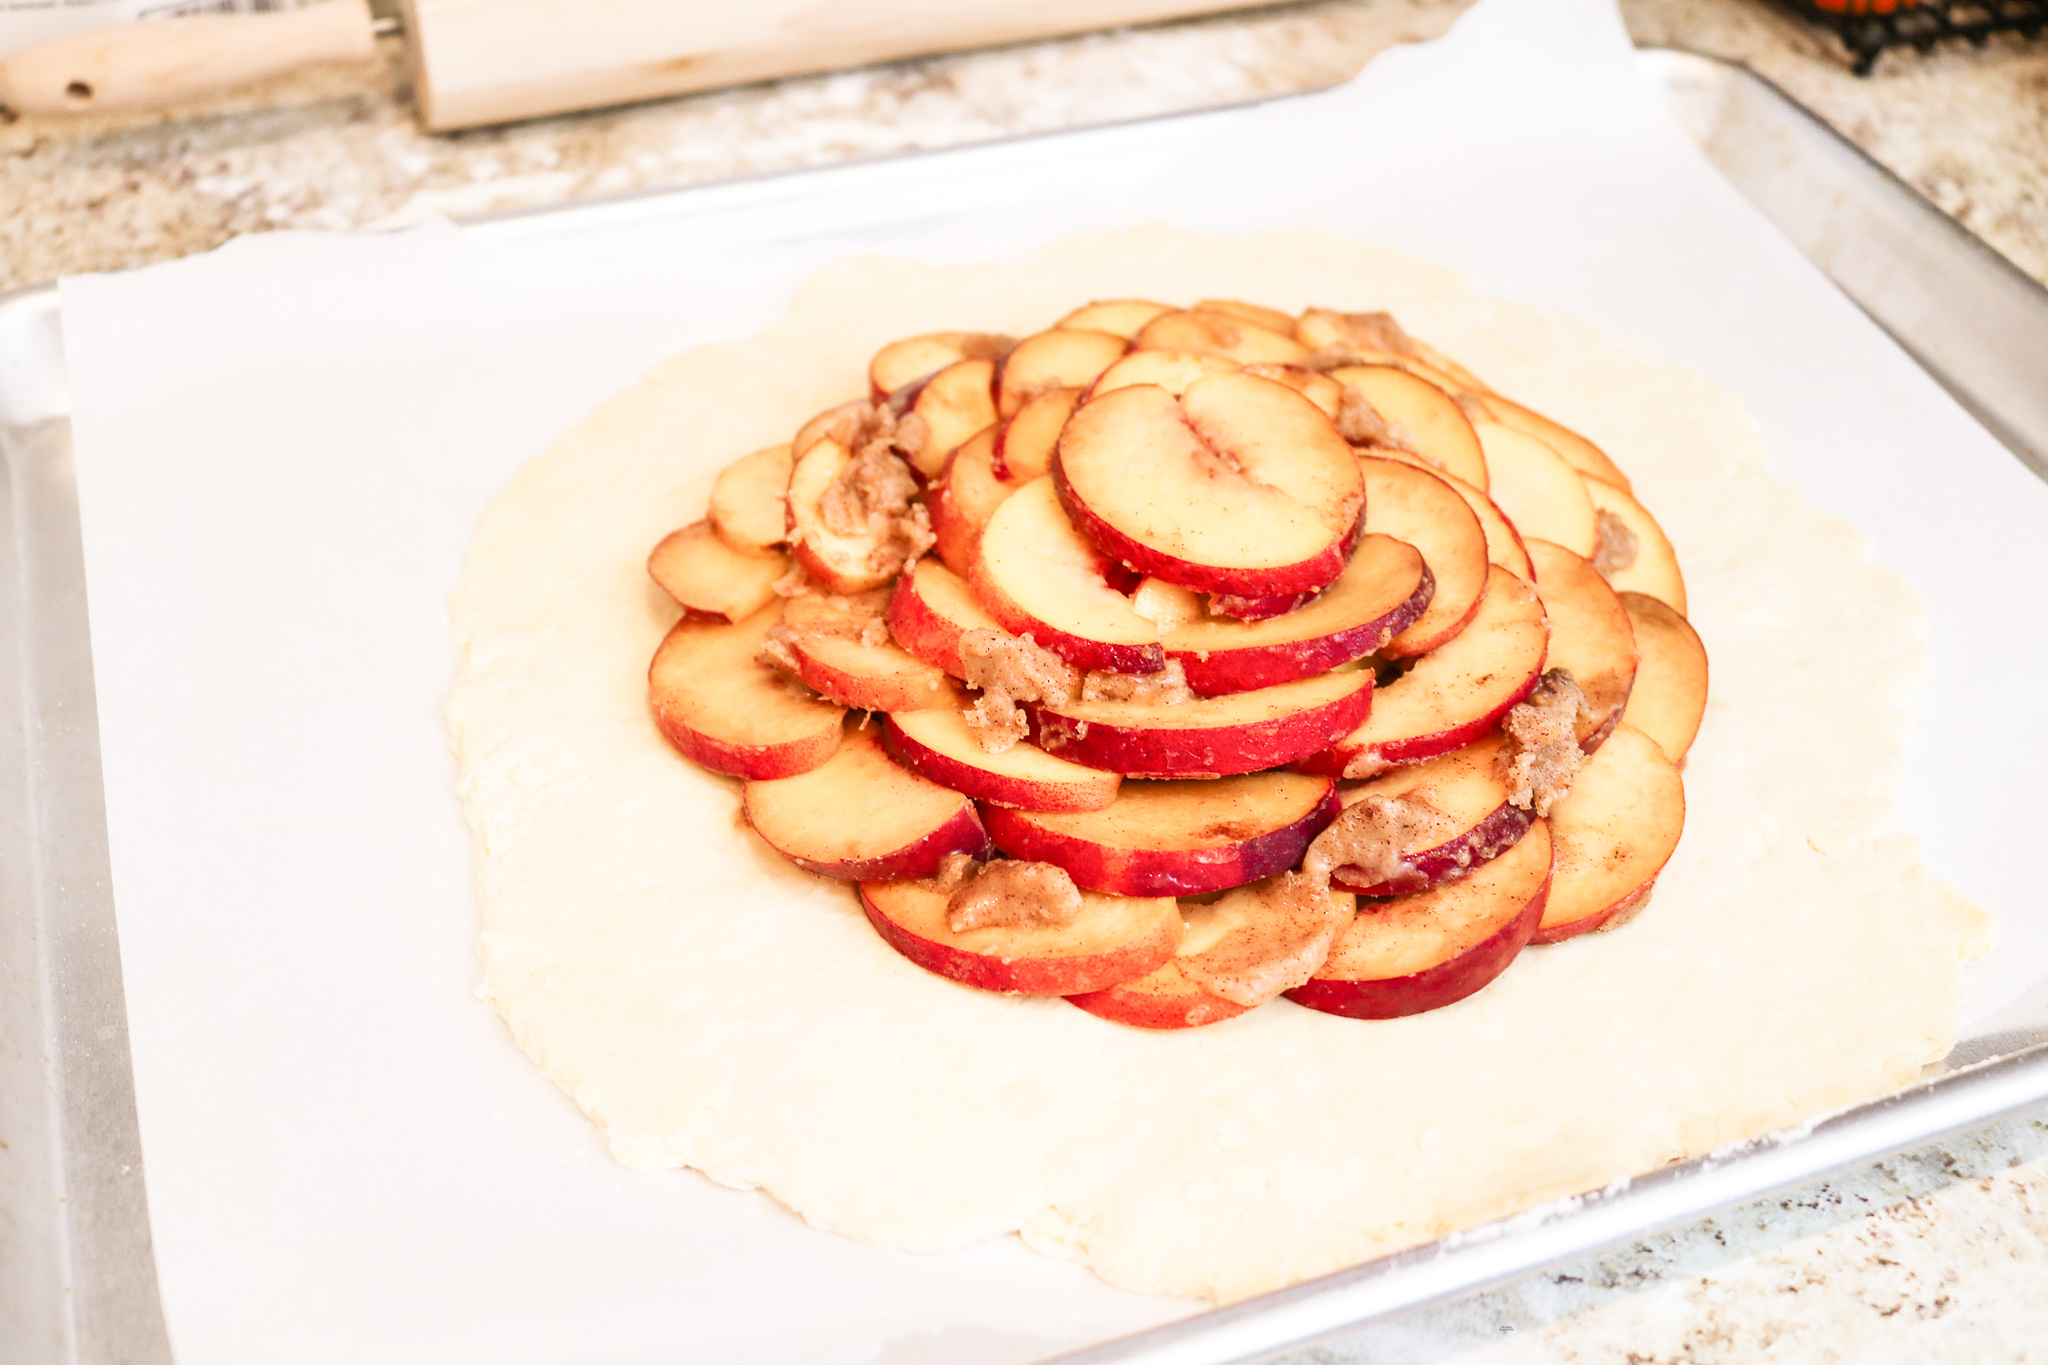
[77, 1283]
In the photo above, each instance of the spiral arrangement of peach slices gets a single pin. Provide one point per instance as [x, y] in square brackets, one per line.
[1258, 655]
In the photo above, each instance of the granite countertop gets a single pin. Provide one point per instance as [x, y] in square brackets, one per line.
[1941, 1254]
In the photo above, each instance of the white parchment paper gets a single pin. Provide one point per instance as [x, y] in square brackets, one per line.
[283, 447]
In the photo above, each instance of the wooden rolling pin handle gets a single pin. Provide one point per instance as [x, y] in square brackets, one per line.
[159, 62]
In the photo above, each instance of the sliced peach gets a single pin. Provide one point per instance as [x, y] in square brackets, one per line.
[1026, 443]
[1319, 388]
[1503, 543]
[1411, 504]
[962, 499]
[1457, 693]
[1255, 942]
[1436, 947]
[1614, 833]
[1233, 338]
[1384, 587]
[1466, 786]
[1170, 370]
[1539, 492]
[954, 403]
[843, 563]
[905, 362]
[842, 418]
[1164, 998]
[1036, 576]
[1590, 635]
[834, 660]
[1176, 838]
[719, 704]
[709, 578]
[1209, 736]
[1375, 338]
[1272, 319]
[1060, 358]
[1240, 486]
[1578, 452]
[859, 817]
[746, 501]
[937, 744]
[1119, 317]
[1654, 569]
[1429, 420]
[931, 609]
[1670, 694]
[1115, 938]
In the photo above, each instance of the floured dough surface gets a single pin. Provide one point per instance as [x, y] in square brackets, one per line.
[708, 1005]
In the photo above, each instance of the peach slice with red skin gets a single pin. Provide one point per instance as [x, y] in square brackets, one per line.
[1434, 948]
[1654, 569]
[1061, 358]
[1670, 695]
[1163, 998]
[1115, 938]
[1539, 492]
[1578, 452]
[937, 744]
[963, 497]
[709, 579]
[1036, 576]
[1319, 388]
[1119, 317]
[1377, 339]
[931, 609]
[1267, 927]
[834, 661]
[1025, 445]
[1384, 588]
[1433, 424]
[1241, 732]
[1240, 486]
[859, 817]
[1175, 838]
[1173, 371]
[721, 706]
[905, 362]
[746, 501]
[842, 416]
[1272, 319]
[1503, 542]
[954, 403]
[1466, 785]
[1590, 635]
[1614, 832]
[1233, 338]
[1413, 505]
[1456, 694]
[840, 563]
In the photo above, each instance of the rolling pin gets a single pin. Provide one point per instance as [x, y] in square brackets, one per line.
[494, 61]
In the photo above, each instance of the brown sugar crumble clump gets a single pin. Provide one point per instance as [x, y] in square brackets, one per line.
[1543, 756]
[1009, 892]
[1167, 687]
[1615, 544]
[1376, 835]
[876, 494]
[1360, 423]
[1009, 669]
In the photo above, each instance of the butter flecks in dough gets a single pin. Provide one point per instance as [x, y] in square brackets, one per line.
[710, 1006]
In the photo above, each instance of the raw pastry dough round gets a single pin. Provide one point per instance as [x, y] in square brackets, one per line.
[710, 1006]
